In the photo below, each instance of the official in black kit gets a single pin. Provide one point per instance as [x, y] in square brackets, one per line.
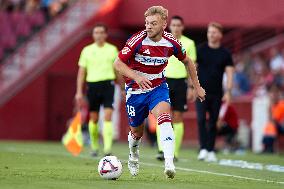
[213, 61]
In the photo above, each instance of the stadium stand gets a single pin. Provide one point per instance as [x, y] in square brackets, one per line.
[21, 19]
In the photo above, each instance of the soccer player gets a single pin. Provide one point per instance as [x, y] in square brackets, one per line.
[177, 80]
[96, 68]
[142, 61]
[213, 61]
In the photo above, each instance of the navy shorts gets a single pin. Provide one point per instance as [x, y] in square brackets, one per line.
[139, 105]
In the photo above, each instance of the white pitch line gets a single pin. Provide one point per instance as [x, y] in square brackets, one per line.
[11, 149]
[215, 173]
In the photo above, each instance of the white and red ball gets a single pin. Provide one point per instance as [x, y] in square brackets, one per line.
[110, 168]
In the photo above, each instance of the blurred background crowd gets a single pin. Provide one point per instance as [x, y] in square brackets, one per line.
[256, 72]
[20, 19]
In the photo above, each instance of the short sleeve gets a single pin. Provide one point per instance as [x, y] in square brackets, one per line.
[115, 53]
[125, 54]
[191, 51]
[229, 60]
[179, 52]
[198, 55]
[83, 59]
[128, 50]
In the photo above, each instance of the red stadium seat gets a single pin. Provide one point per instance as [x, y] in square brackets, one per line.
[20, 24]
[8, 41]
[4, 21]
[7, 36]
[36, 19]
[1, 52]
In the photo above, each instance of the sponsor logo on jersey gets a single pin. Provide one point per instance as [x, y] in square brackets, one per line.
[152, 60]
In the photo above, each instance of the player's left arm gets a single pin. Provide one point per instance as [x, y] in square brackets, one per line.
[191, 70]
[124, 70]
[191, 50]
[180, 53]
[229, 70]
[118, 77]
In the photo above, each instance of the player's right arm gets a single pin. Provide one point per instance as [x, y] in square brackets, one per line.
[124, 56]
[191, 69]
[81, 76]
[180, 54]
[124, 70]
[80, 84]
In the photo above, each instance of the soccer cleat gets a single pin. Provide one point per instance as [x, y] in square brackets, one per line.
[170, 171]
[211, 157]
[202, 155]
[94, 153]
[133, 163]
[160, 156]
[108, 154]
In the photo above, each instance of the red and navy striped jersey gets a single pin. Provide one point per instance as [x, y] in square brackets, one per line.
[148, 58]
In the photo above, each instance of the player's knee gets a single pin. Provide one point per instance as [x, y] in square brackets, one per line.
[137, 134]
[94, 117]
[108, 114]
[177, 117]
[108, 117]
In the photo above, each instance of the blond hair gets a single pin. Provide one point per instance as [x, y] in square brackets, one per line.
[216, 25]
[157, 10]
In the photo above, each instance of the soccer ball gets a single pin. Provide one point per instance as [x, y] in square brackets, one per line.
[110, 168]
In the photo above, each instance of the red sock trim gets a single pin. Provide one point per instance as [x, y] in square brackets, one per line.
[164, 117]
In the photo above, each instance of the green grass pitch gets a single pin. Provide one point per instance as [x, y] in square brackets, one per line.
[34, 165]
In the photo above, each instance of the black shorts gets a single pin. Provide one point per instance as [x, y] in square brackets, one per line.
[178, 94]
[100, 93]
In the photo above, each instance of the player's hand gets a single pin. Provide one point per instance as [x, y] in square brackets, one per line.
[143, 82]
[200, 92]
[227, 97]
[191, 94]
[79, 97]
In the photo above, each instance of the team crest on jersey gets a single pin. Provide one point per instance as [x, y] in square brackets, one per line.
[125, 50]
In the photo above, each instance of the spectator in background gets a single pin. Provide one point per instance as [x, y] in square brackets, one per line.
[276, 61]
[276, 124]
[277, 107]
[51, 8]
[227, 126]
[261, 75]
[278, 74]
[241, 80]
[32, 6]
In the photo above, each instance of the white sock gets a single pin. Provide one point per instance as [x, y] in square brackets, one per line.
[133, 143]
[167, 137]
